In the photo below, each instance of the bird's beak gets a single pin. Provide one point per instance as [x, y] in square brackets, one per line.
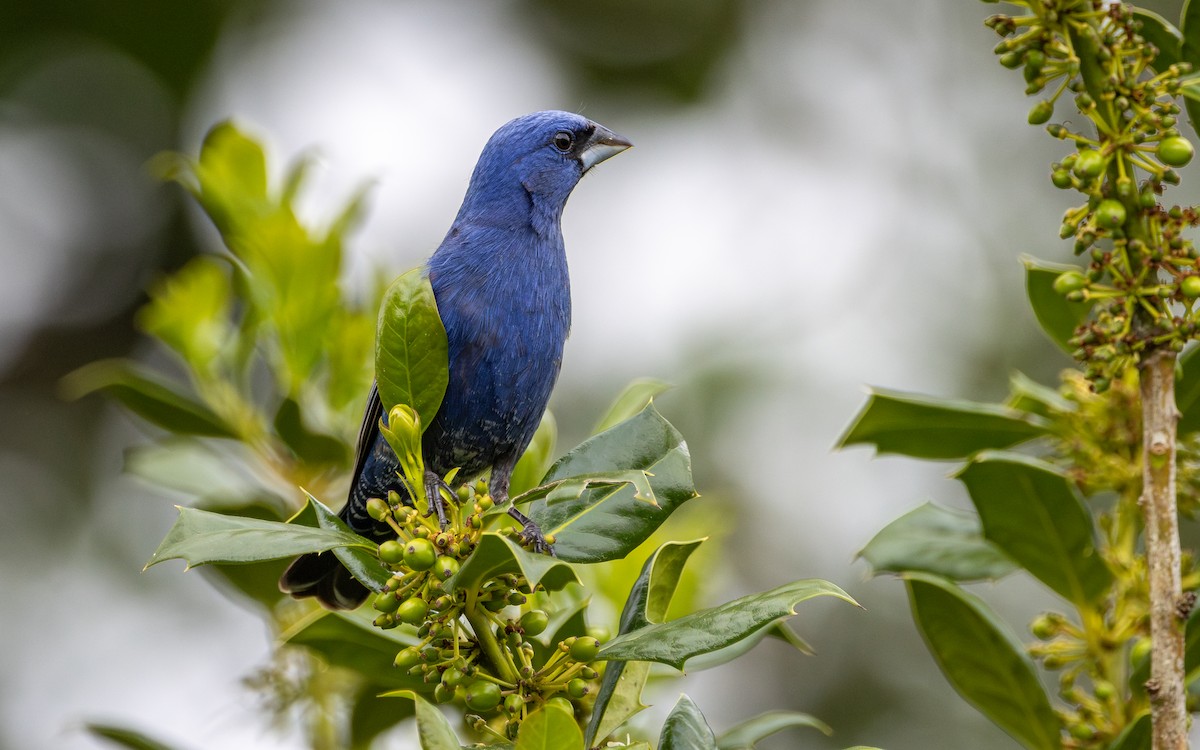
[603, 144]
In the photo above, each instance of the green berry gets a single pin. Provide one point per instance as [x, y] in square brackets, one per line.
[412, 611]
[482, 695]
[1041, 112]
[1061, 179]
[452, 677]
[391, 552]
[445, 567]
[378, 509]
[408, 658]
[513, 704]
[1103, 689]
[1069, 282]
[443, 693]
[585, 649]
[1110, 214]
[535, 621]
[577, 688]
[1044, 627]
[1089, 164]
[419, 554]
[386, 602]
[1175, 151]
[1190, 286]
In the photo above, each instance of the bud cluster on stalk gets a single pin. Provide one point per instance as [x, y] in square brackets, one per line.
[1142, 278]
[474, 645]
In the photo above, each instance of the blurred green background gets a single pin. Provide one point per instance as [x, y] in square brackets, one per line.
[823, 194]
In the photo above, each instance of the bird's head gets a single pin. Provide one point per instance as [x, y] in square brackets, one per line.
[545, 153]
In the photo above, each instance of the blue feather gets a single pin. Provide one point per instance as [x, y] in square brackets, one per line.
[503, 292]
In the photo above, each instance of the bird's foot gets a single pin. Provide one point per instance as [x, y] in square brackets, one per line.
[531, 535]
[437, 503]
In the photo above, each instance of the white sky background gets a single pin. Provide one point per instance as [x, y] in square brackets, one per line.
[847, 207]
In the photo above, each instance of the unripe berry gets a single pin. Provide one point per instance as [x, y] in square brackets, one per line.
[1190, 286]
[482, 695]
[1110, 214]
[386, 602]
[535, 621]
[585, 649]
[1175, 151]
[1061, 179]
[513, 704]
[1089, 164]
[412, 611]
[443, 693]
[445, 567]
[452, 677]
[408, 658]
[377, 509]
[577, 688]
[562, 703]
[1069, 282]
[391, 552]
[1041, 112]
[419, 554]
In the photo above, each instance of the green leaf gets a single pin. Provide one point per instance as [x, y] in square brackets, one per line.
[309, 446]
[550, 728]
[1163, 35]
[1189, 50]
[1187, 391]
[926, 427]
[1034, 398]
[411, 353]
[536, 460]
[636, 396]
[708, 630]
[607, 523]
[933, 539]
[686, 729]
[371, 716]
[145, 395]
[362, 562]
[350, 641]
[983, 661]
[189, 311]
[433, 729]
[231, 176]
[123, 737]
[1033, 513]
[1137, 735]
[745, 735]
[570, 488]
[496, 555]
[199, 537]
[258, 582]
[1058, 317]
[620, 695]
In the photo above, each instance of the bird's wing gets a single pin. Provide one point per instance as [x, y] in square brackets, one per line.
[367, 432]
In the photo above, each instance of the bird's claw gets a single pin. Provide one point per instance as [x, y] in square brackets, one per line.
[531, 535]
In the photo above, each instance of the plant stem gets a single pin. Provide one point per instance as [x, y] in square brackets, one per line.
[501, 664]
[1166, 685]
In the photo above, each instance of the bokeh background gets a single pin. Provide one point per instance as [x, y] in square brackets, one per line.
[823, 194]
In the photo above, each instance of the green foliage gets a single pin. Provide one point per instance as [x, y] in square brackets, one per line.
[983, 661]
[937, 540]
[745, 735]
[923, 427]
[1060, 500]
[273, 360]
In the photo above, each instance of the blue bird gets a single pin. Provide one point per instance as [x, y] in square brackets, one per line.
[503, 292]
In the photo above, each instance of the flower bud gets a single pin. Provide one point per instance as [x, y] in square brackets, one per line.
[378, 509]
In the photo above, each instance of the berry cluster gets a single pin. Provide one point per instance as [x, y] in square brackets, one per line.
[475, 643]
[1142, 277]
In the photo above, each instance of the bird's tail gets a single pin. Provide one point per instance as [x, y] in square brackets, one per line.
[322, 575]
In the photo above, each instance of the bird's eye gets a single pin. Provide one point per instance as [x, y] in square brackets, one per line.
[564, 140]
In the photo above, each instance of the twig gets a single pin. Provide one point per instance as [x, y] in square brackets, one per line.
[1166, 684]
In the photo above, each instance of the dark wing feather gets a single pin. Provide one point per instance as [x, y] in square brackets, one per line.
[367, 432]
